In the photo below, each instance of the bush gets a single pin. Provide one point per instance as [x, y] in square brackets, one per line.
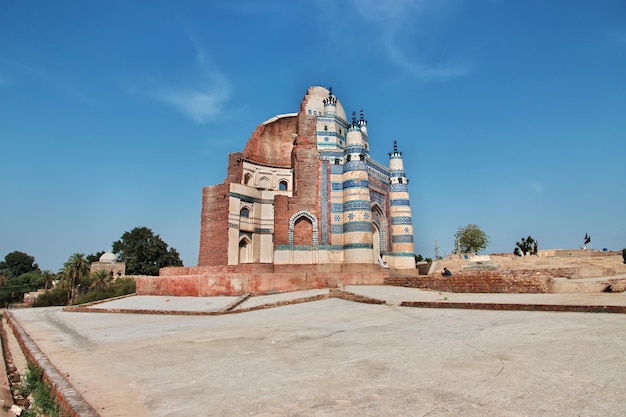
[57, 297]
[119, 287]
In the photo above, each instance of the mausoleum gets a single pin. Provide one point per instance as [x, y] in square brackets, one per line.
[108, 262]
[303, 205]
[305, 190]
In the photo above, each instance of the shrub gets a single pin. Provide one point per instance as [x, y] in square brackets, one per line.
[119, 287]
[57, 297]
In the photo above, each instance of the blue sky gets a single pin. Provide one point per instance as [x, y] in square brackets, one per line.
[511, 114]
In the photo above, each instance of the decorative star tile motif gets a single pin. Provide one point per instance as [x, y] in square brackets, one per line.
[366, 216]
[351, 216]
[337, 217]
[406, 230]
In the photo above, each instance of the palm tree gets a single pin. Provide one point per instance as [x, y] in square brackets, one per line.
[74, 270]
[47, 277]
[100, 279]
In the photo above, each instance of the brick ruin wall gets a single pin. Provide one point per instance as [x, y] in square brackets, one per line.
[214, 226]
[204, 282]
[505, 281]
[268, 278]
[271, 143]
[306, 163]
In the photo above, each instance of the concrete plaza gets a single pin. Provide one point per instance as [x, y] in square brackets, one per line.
[334, 357]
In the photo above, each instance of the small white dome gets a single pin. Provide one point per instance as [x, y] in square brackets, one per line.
[108, 257]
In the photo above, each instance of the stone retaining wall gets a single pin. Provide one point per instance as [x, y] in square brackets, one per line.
[215, 281]
[267, 279]
[510, 281]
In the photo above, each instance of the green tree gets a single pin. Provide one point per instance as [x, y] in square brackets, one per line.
[420, 258]
[525, 247]
[470, 239]
[18, 263]
[75, 270]
[100, 279]
[15, 287]
[5, 274]
[144, 252]
[94, 257]
[48, 277]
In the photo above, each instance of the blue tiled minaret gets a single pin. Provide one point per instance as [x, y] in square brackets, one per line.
[357, 213]
[403, 251]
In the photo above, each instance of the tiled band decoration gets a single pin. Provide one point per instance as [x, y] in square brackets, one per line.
[324, 197]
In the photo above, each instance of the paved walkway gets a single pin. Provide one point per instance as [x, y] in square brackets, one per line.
[336, 357]
[410, 297]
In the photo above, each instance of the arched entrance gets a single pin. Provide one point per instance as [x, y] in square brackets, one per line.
[376, 242]
[245, 251]
[379, 238]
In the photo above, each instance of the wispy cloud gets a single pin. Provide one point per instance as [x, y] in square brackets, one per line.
[396, 20]
[423, 71]
[205, 95]
[201, 104]
[58, 82]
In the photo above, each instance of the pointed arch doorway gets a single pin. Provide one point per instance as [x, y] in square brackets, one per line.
[379, 231]
[376, 242]
[245, 250]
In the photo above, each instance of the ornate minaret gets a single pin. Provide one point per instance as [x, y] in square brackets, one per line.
[357, 213]
[403, 251]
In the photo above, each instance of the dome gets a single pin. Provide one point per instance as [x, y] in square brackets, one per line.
[314, 101]
[108, 257]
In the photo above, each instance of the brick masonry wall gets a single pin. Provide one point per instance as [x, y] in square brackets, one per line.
[214, 226]
[305, 163]
[281, 220]
[205, 283]
[235, 168]
[303, 232]
[306, 179]
[271, 143]
[511, 281]
[215, 269]
[270, 268]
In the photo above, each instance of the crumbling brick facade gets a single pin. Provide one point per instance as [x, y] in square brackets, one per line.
[305, 191]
